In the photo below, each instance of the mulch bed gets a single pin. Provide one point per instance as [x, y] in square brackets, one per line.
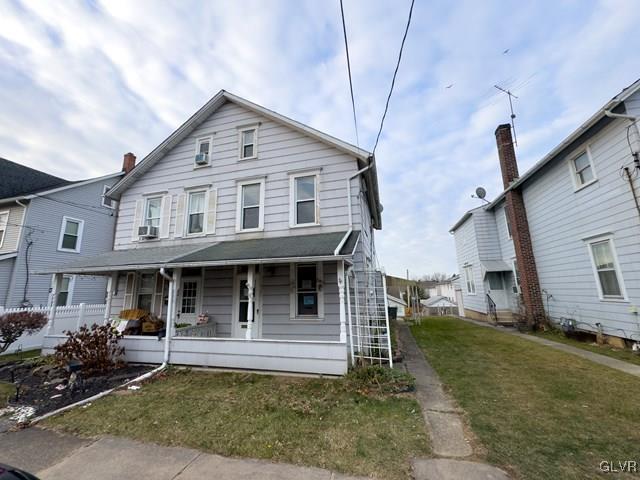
[45, 387]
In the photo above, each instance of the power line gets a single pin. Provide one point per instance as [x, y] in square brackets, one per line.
[395, 73]
[346, 47]
[83, 206]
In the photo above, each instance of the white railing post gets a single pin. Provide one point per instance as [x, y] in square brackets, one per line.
[386, 317]
[112, 283]
[250, 294]
[348, 286]
[81, 312]
[57, 283]
[343, 314]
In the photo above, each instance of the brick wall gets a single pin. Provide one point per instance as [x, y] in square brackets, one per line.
[517, 216]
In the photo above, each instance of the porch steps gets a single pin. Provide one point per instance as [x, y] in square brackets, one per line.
[505, 317]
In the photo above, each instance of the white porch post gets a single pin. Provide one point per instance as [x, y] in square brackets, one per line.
[177, 289]
[343, 315]
[349, 313]
[57, 284]
[250, 293]
[81, 312]
[112, 283]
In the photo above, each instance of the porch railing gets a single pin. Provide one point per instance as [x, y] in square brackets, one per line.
[206, 330]
[70, 317]
[491, 309]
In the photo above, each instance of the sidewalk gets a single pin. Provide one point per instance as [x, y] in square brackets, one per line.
[610, 362]
[53, 456]
[444, 423]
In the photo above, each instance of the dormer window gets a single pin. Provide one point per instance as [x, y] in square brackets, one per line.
[203, 152]
[248, 143]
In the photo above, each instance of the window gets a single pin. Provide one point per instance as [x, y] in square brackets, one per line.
[203, 151]
[304, 198]
[250, 206]
[4, 221]
[106, 201]
[468, 275]
[606, 268]
[307, 290]
[152, 211]
[495, 280]
[70, 235]
[66, 287]
[145, 291]
[516, 277]
[195, 216]
[506, 221]
[248, 143]
[583, 170]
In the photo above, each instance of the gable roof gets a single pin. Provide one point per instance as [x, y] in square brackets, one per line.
[20, 180]
[218, 101]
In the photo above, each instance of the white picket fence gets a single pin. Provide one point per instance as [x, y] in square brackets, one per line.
[69, 317]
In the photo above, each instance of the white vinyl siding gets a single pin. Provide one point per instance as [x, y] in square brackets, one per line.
[70, 235]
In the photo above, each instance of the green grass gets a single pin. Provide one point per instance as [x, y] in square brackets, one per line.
[540, 413]
[619, 354]
[317, 422]
[19, 356]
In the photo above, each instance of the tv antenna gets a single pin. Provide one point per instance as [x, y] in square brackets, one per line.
[513, 115]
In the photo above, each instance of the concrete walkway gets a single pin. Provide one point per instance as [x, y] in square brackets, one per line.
[610, 362]
[443, 421]
[53, 456]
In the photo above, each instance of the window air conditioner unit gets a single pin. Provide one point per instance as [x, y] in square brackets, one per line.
[147, 231]
[202, 159]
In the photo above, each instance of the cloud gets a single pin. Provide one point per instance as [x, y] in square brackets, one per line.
[83, 82]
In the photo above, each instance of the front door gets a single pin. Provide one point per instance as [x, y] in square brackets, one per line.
[189, 301]
[497, 290]
[241, 305]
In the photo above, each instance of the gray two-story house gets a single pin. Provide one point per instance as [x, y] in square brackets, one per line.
[242, 231]
[46, 221]
[563, 239]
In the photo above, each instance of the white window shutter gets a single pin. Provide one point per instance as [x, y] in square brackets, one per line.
[180, 209]
[128, 291]
[165, 216]
[137, 219]
[211, 211]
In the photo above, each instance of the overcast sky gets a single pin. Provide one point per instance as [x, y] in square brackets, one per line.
[81, 83]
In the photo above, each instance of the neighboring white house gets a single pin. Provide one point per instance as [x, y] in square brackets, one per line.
[253, 228]
[443, 289]
[398, 303]
[579, 207]
[439, 305]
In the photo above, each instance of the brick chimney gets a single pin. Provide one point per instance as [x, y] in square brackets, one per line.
[517, 214]
[129, 162]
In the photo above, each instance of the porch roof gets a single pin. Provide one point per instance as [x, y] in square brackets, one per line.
[495, 266]
[318, 247]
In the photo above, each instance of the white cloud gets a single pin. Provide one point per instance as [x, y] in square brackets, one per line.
[82, 83]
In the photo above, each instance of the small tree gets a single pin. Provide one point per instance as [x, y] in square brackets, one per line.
[96, 347]
[14, 325]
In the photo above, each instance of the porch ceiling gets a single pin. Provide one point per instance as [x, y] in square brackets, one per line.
[318, 246]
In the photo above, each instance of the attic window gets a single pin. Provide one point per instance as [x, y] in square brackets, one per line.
[203, 152]
[106, 201]
[583, 171]
[248, 143]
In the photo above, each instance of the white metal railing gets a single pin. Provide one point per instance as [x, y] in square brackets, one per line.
[67, 318]
[368, 317]
[207, 330]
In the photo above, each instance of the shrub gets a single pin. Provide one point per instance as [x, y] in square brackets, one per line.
[379, 379]
[96, 347]
[13, 325]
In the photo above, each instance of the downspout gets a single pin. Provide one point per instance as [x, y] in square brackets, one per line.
[349, 209]
[167, 329]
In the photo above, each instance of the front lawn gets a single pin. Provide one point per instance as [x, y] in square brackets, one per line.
[10, 357]
[6, 390]
[608, 350]
[541, 413]
[319, 422]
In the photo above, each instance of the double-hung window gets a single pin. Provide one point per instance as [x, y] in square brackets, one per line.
[152, 211]
[106, 201]
[583, 170]
[307, 299]
[145, 291]
[66, 287]
[195, 216]
[607, 270]
[4, 221]
[250, 206]
[304, 200]
[248, 143]
[70, 235]
[468, 275]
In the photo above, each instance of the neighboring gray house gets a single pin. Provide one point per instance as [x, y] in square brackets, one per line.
[250, 227]
[45, 221]
[564, 238]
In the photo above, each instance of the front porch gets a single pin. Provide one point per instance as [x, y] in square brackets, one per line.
[272, 304]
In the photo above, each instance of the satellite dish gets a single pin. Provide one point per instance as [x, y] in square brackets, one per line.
[481, 192]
